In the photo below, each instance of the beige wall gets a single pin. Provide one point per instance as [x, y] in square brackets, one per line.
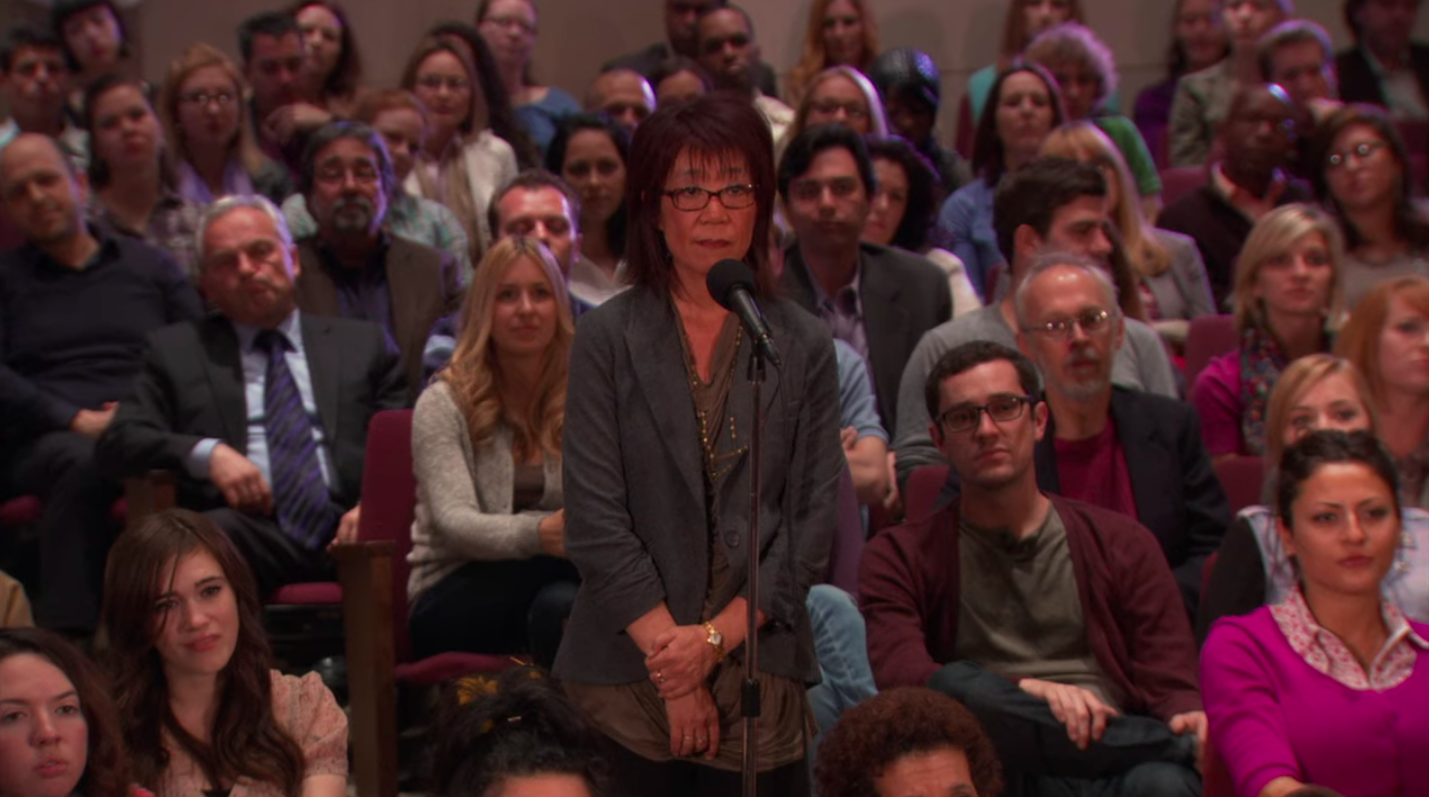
[576, 35]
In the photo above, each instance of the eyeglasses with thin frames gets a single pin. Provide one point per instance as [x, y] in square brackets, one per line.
[1001, 409]
[1361, 152]
[1091, 322]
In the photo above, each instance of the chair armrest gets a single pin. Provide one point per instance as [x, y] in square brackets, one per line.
[147, 495]
[365, 571]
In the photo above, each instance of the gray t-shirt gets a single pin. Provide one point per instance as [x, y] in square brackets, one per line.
[1020, 615]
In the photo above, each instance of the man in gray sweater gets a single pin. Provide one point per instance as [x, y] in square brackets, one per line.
[1050, 205]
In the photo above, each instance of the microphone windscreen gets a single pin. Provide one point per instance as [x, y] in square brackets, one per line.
[727, 275]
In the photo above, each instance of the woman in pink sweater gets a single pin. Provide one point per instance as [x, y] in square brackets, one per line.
[1330, 687]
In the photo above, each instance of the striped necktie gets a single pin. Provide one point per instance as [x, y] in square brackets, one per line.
[305, 511]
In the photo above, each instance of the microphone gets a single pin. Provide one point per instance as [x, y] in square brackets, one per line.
[731, 283]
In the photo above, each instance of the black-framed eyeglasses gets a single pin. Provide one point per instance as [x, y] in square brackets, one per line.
[1091, 322]
[1001, 409]
[693, 197]
[1362, 151]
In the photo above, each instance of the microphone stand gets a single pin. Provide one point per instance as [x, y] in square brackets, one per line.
[749, 693]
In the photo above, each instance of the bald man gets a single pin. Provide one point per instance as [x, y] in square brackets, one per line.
[75, 307]
[622, 94]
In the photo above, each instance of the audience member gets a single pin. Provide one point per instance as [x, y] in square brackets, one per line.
[865, 441]
[523, 738]
[500, 113]
[1168, 273]
[656, 681]
[729, 52]
[75, 305]
[681, 21]
[402, 121]
[14, 605]
[1198, 41]
[332, 74]
[1385, 67]
[905, 741]
[464, 160]
[1052, 205]
[838, 33]
[904, 207]
[623, 95]
[1386, 339]
[1323, 688]
[591, 153]
[274, 53]
[911, 89]
[1135, 453]
[202, 707]
[1068, 640]
[1026, 107]
[541, 206]
[1360, 169]
[878, 300]
[839, 94]
[275, 459]
[351, 266]
[210, 136]
[1025, 19]
[1253, 570]
[486, 447]
[1286, 291]
[1257, 138]
[509, 28]
[95, 41]
[132, 180]
[61, 731]
[1296, 55]
[680, 79]
[1085, 71]
[1203, 99]
[34, 80]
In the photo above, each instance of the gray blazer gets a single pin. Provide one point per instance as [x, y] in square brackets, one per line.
[1183, 290]
[635, 494]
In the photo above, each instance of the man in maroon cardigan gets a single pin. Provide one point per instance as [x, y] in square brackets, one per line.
[1057, 623]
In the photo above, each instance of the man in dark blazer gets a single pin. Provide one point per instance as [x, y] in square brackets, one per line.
[1384, 67]
[261, 410]
[1129, 451]
[878, 300]
[681, 28]
[352, 267]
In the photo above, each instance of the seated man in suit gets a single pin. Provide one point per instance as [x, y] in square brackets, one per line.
[1056, 622]
[261, 409]
[1257, 139]
[1129, 451]
[878, 300]
[353, 267]
[1385, 67]
[75, 306]
[538, 204]
[1049, 205]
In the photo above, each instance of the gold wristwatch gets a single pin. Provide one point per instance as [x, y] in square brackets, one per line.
[716, 640]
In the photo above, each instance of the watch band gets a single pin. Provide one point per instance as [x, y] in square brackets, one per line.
[716, 641]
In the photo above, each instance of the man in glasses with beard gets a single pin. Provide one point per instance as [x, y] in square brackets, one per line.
[353, 267]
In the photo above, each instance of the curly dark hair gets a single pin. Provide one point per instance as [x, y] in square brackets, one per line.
[925, 190]
[525, 727]
[106, 774]
[901, 722]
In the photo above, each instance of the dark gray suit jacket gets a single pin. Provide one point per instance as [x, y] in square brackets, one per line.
[191, 388]
[903, 296]
[635, 486]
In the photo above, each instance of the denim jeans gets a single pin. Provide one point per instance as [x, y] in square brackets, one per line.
[840, 641]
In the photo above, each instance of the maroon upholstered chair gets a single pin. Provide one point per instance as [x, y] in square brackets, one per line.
[847, 545]
[1210, 336]
[1180, 181]
[964, 135]
[1242, 478]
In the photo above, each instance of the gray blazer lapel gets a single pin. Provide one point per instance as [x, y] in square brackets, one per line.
[224, 367]
[662, 377]
[325, 356]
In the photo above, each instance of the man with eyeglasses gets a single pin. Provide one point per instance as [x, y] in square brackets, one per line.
[1056, 622]
[681, 29]
[354, 267]
[1257, 140]
[1049, 205]
[34, 81]
[1135, 453]
[729, 52]
[877, 299]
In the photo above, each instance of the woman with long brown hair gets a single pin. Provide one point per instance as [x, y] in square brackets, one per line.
[333, 72]
[838, 33]
[1025, 19]
[486, 448]
[202, 709]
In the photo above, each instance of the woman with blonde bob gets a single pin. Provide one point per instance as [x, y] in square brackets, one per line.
[1387, 338]
[839, 94]
[206, 123]
[839, 33]
[1170, 275]
[1286, 297]
[486, 447]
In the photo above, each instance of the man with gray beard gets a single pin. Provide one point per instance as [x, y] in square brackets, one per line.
[353, 267]
[1130, 451]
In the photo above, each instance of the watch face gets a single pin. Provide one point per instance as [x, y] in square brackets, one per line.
[716, 638]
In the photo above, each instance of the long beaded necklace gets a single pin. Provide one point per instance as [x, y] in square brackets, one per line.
[717, 465]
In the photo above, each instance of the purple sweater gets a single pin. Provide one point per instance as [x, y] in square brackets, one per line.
[1273, 715]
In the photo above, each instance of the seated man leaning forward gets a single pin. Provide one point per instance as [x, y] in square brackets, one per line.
[1057, 623]
[262, 408]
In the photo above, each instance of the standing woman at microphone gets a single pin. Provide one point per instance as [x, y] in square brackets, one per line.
[657, 474]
